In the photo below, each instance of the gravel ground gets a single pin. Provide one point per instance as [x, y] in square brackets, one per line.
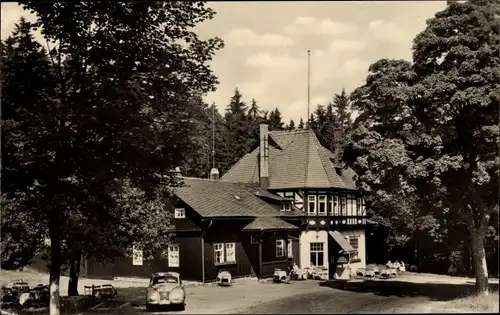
[408, 293]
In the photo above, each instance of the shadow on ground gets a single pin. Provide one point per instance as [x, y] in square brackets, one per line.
[433, 291]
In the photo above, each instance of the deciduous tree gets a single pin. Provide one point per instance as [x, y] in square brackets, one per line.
[430, 129]
[106, 103]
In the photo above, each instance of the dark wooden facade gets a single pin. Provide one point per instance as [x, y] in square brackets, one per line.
[196, 238]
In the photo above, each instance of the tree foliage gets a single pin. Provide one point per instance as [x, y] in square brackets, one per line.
[106, 104]
[429, 129]
[275, 120]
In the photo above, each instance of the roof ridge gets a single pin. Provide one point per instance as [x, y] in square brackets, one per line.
[240, 160]
[289, 131]
[322, 160]
[217, 180]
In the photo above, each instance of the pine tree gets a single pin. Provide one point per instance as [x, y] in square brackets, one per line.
[275, 120]
[255, 117]
[291, 125]
[344, 122]
[237, 141]
[301, 124]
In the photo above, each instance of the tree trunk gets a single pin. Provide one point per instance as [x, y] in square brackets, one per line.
[74, 273]
[55, 266]
[479, 258]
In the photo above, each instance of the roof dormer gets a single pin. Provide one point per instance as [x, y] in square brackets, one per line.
[286, 205]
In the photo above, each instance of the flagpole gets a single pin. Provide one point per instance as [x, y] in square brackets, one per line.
[308, 85]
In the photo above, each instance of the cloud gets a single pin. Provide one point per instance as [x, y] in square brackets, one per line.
[390, 31]
[347, 45]
[309, 25]
[355, 65]
[247, 37]
[268, 61]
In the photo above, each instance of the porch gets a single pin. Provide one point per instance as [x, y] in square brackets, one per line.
[274, 243]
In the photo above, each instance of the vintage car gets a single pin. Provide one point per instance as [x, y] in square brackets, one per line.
[165, 290]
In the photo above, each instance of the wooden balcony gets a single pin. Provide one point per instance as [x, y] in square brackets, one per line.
[335, 221]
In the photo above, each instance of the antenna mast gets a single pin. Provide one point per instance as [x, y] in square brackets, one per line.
[308, 86]
[213, 135]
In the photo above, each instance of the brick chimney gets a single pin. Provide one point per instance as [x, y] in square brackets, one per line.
[264, 156]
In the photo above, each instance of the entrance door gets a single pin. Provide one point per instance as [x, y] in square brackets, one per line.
[332, 258]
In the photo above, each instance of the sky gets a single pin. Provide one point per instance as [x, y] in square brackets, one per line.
[266, 43]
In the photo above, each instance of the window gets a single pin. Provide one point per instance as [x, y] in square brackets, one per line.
[343, 206]
[350, 203]
[336, 205]
[289, 249]
[322, 205]
[317, 254]
[254, 239]
[173, 255]
[280, 248]
[230, 252]
[353, 206]
[219, 253]
[360, 204]
[330, 205]
[180, 213]
[286, 206]
[311, 205]
[354, 241]
[224, 253]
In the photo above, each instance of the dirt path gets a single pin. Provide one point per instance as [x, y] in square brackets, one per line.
[409, 293]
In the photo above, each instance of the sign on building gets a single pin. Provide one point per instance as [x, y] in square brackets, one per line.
[136, 257]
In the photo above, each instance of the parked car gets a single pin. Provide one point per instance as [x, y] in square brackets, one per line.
[165, 290]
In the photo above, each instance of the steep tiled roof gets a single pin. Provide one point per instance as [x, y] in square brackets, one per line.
[213, 198]
[269, 223]
[297, 161]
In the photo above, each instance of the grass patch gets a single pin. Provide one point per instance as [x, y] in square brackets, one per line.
[484, 304]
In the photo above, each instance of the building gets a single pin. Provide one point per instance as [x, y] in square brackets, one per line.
[217, 225]
[293, 164]
[287, 201]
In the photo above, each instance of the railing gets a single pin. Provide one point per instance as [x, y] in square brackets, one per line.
[335, 220]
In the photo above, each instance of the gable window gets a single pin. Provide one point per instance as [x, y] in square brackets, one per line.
[336, 205]
[311, 206]
[289, 249]
[322, 205]
[354, 241]
[280, 248]
[330, 205]
[286, 206]
[343, 205]
[180, 213]
[173, 255]
[317, 254]
[289, 194]
[224, 253]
